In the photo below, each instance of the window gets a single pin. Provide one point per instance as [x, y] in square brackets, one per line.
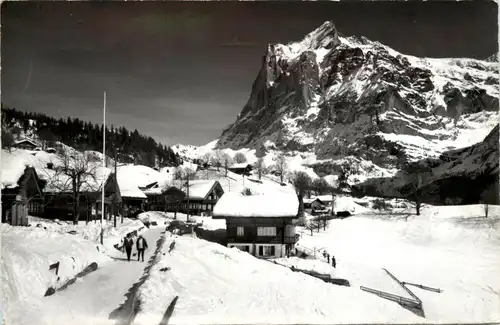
[267, 250]
[266, 231]
[240, 231]
[34, 207]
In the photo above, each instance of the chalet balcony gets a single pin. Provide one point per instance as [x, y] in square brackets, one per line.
[292, 239]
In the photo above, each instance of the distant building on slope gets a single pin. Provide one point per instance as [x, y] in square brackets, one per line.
[26, 144]
[262, 225]
[241, 169]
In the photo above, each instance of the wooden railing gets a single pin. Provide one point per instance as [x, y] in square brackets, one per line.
[393, 297]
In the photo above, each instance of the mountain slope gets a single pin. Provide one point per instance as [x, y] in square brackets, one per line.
[335, 96]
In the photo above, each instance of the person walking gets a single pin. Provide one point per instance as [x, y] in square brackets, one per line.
[141, 247]
[334, 262]
[127, 244]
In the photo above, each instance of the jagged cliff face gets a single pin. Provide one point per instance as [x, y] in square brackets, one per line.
[338, 96]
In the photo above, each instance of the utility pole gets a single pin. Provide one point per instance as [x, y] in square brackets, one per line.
[104, 164]
[115, 200]
[187, 192]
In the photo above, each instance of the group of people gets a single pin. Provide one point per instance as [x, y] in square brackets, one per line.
[141, 245]
[328, 256]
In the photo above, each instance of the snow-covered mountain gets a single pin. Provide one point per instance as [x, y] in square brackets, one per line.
[330, 99]
[335, 95]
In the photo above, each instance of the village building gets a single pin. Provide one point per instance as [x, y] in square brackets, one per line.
[21, 195]
[26, 144]
[241, 169]
[59, 200]
[312, 205]
[201, 196]
[262, 225]
[163, 198]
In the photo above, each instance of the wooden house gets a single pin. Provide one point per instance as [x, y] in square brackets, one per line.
[60, 202]
[22, 196]
[241, 169]
[25, 144]
[167, 198]
[201, 196]
[311, 205]
[262, 225]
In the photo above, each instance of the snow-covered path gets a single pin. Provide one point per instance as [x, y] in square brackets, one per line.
[91, 299]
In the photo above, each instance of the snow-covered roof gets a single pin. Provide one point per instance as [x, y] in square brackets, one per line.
[13, 165]
[241, 165]
[131, 177]
[262, 205]
[312, 200]
[26, 141]
[200, 188]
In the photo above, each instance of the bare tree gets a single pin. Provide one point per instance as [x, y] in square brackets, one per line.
[184, 173]
[302, 182]
[227, 160]
[486, 208]
[417, 178]
[240, 158]
[207, 158]
[217, 159]
[281, 165]
[260, 167]
[313, 224]
[74, 175]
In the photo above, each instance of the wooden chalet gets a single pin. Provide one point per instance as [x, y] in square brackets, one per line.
[162, 198]
[22, 197]
[201, 196]
[315, 204]
[26, 144]
[262, 225]
[241, 169]
[60, 203]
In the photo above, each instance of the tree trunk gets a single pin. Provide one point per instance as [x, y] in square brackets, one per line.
[301, 205]
[418, 207]
[76, 210]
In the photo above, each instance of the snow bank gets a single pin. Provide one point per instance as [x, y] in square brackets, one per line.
[92, 230]
[260, 205]
[208, 279]
[155, 216]
[26, 256]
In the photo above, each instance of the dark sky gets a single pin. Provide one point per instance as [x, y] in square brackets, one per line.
[182, 71]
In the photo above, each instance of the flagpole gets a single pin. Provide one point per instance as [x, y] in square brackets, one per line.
[103, 164]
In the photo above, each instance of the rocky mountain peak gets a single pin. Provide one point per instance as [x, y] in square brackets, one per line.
[331, 95]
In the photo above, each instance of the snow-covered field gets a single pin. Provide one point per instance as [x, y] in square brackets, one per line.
[452, 248]
[218, 285]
